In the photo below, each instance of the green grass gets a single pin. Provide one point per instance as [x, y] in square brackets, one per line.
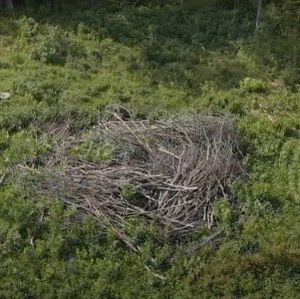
[159, 61]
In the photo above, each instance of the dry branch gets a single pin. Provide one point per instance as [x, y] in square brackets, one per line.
[178, 169]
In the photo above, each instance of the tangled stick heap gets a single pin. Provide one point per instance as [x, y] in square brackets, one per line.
[175, 171]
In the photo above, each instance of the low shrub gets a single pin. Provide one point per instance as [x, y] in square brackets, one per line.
[253, 85]
[53, 48]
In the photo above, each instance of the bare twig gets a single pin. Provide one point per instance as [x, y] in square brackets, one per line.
[176, 169]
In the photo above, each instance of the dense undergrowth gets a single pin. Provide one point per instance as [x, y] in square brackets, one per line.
[159, 61]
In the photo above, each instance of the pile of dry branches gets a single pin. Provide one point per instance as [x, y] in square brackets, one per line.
[175, 171]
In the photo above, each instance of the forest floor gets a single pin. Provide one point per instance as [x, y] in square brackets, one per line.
[67, 69]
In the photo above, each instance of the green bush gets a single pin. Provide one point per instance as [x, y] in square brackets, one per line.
[38, 89]
[28, 29]
[93, 151]
[253, 85]
[22, 147]
[55, 47]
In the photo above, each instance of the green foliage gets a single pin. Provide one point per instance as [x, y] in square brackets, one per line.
[132, 195]
[129, 192]
[223, 212]
[53, 49]
[28, 29]
[253, 85]
[22, 147]
[38, 89]
[93, 151]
